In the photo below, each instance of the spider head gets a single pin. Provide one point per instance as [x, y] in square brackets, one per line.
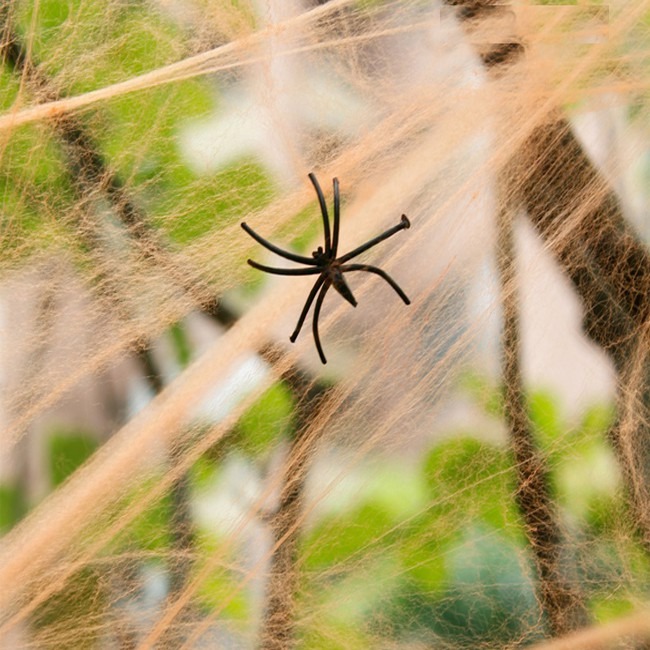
[319, 254]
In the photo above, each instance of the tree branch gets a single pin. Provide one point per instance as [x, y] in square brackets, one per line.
[561, 602]
[580, 219]
[286, 524]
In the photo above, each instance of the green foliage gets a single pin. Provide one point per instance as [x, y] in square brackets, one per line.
[309, 226]
[612, 607]
[12, 506]
[335, 540]
[443, 542]
[67, 451]
[597, 420]
[127, 39]
[221, 590]
[483, 392]
[471, 480]
[73, 608]
[181, 344]
[464, 581]
[9, 88]
[428, 552]
[266, 421]
[432, 570]
[211, 201]
[204, 470]
[585, 471]
[332, 635]
[544, 415]
[488, 595]
[31, 159]
[151, 529]
[455, 563]
[53, 14]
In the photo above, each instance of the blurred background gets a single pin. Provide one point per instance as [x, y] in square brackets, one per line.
[173, 471]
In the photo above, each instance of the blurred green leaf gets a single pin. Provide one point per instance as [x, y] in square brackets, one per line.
[266, 421]
[488, 597]
[127, 40]
[75, 607]
[9, 88]
[597, 421]
[612, 607]
[491, 596]
[336, 539]
[204, 470]
[354, 598]
[484, 392]
[210, 202]
[221, 589]
[153, 119]
[472, 480]
[181, 344]
[35, 189]
[424, 557]
[332, 635]
[68, 450]
[151, 529]
[307, 225]
[586, 472]
[53, 13]
[545, 416]
[12, 506]
[588, 481]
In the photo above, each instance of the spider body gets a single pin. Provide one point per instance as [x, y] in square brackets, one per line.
[335, 275]
[325, 263]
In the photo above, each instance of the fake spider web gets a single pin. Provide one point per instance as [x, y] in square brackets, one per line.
[468, 471]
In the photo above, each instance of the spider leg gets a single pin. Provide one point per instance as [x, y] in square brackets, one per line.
[272, 269]
[403, 224]
[337, 217]
[274, 249]
[323, 210]
[305, 309]
[319, 304]
[380, 273]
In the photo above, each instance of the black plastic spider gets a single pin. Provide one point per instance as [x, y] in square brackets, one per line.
[325, 263]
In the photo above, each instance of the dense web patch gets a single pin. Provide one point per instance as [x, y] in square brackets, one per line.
[471, 472]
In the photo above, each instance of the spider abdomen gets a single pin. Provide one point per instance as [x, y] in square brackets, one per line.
[339, 283]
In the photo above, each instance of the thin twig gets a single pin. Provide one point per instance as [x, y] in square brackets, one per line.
[561, 602]
[609, 267]
[278, 624]
[607, 262]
